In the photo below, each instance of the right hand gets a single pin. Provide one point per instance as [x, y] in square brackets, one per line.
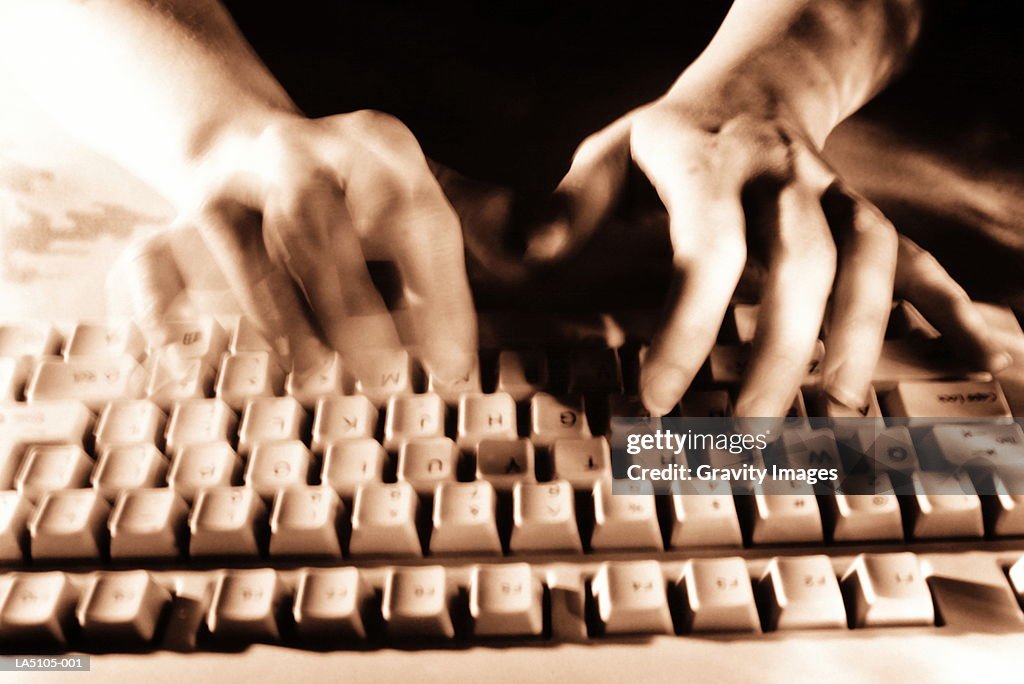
[287, 214]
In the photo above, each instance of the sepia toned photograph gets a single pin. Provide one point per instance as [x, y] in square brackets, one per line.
[536, 341]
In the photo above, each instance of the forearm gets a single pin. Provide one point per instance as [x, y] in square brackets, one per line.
[155, 84]
[822, 59]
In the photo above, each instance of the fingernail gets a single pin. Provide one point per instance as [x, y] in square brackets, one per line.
[452, 367]
[662, 388]
[549, 241]
[851, 399]
[999, 361]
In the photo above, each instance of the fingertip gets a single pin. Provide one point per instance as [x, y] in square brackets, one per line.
[662, 387]
[549, 241]
[999, 361]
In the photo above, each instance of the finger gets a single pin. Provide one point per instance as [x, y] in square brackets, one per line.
[585, 195]
[800, 275]
[861, 300]
[158, 293]
[265, 293]
[922, 281]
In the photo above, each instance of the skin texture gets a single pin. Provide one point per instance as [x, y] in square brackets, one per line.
[290, 207]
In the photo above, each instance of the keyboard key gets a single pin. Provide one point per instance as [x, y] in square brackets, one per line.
[200, 421]
[351, 463]
[833, 409]
[521, 374]
[544, 518]
[13, 375]
[595, 370]
[128, 467]
[244, 606]
[415, 603]
[148, 523]
[740, 323]
[728, 363]
[625, 520]
[327, 378]
[943, 506]
[29, 339]
[277, 465]
[171, 380]
[247, 337]
[69, 524]
[631, 598]
[15, 512]
[582, 462]
[129, 421]
[122, 607]
[329, 604]
[425, 463]
[226, 521]
[717, 596]
[93, 380]
[388, 373]
[810, 450]
[38, 610]
[338, 418]
[384, 521]
[705, 404]
[917, 360]
[88, 339]
[996, 446]
[888, 590]
[202, 339]
[506, 600]
[413, 416]
[890, 450]
[962, 399]
[49, 468]
[553, 418]
[485, 416]
[51, 422]
[504, 463]
[199, 466]
[865, 509]
[452, 391]
[802, 593]
[270, 419]
[305, 522]
[703, 514]
[464, 519]
[785, 512]
[247, 375]
[1006, 505]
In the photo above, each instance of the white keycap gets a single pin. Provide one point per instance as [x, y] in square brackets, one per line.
[247, 375]
[415, 603]
[29, 339]
[802, 593]
[427, 462]
[199, 421]
[485, 416]
[944, 505]
[277, 465]
[521, 374]
[506, 600]
[544, 518]
[413, 416]
[582, 462]
[865, 509]
[130, 421]
[705, 404]
[39, 609]
[13, 375]
[388, 373]
[785, 511]
[329, 604]
[15, 512]
[890, 450]
[21, 425]
[504, 463]
[93, 380]
[975, 445]
[326, 378]
[122, 607]
[49, 468]
[148, 523]
[553, 418]
[171, 381]
[1007, 502]
[961, 399]
[625, 518]
[717, 596]
[89, 339]
[225, 521]
[464, 519]
[351, 463]
[69, 524]
[202, 339]
[384, 521]
[270, 419]
[247, 337]
[703, 514]
[244, 606]
[888, 590]
[728, 363]
[338, 418]
[305, 522]
[631, 598]
[452, 390]
[199, 466]
[128, 467]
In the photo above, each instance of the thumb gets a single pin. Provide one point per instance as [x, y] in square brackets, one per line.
[585, 196]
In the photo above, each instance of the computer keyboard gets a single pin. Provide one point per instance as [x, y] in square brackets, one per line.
[198, 497]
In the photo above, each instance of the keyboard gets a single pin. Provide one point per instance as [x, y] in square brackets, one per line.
[198, 506]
